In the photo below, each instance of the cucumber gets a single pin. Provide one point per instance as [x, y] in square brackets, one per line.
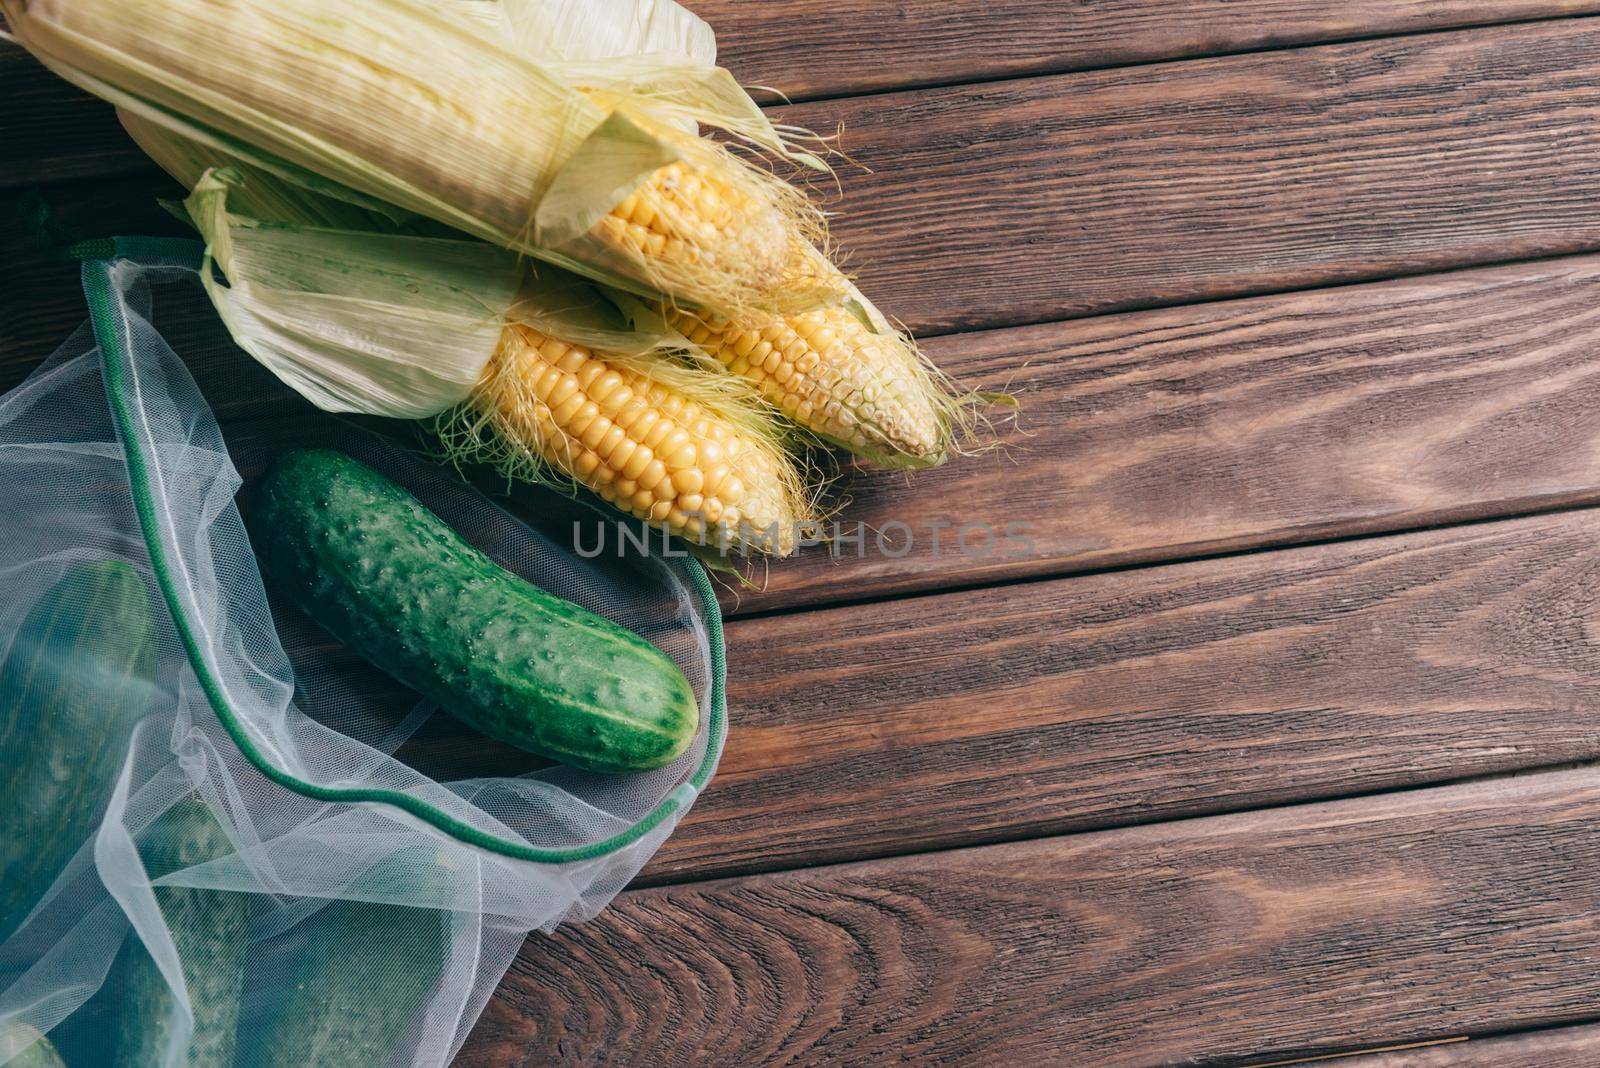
[78, 676]
[363, 973]
[390, 579]
[208, 927]
[36, 1050]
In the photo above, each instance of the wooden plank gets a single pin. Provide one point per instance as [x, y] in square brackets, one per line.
[1155, 435]
[1169, 433]
[806, 49]
[1041, 199]
[53, 132]
[1033, 709]
[1219, 177]
[1286, 932]
[1560, 1047]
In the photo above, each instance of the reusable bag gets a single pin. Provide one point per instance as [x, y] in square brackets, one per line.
[227, 840]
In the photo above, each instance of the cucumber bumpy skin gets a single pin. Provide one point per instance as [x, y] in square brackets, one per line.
[390, 579]
[210, 928]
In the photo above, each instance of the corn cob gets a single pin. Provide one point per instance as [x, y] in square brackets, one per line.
[864, 389]
[407, 106]
[640, 444]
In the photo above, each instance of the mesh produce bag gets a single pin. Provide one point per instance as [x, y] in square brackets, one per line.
[228, 840]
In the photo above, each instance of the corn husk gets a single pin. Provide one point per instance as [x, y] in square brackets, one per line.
[554, 302]
[407, 106]
[652, 50]
[356, 321]
[595, 30]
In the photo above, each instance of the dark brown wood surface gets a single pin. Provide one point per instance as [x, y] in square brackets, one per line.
[1559, 1047]
[40, 299]
[1039, 199]
[929, 722]
[1292, 931]
[52, 132]
[856, 46]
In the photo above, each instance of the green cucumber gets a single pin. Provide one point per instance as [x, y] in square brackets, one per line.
[78, 676]
[208, 927]
[390, 579]
[364, 971]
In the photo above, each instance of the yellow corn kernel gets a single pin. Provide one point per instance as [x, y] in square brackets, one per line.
[661, 457]
[683, 224]
[827, 371]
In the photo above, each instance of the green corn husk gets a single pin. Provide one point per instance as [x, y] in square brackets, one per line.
[355, 321]
[401, 104]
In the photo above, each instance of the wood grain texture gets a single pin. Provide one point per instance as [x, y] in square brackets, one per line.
[850, 46]
[51, 131]
[1154, 435]
[1560, 1047]
[1286, 932]
[1045, 198]
[1124, 697]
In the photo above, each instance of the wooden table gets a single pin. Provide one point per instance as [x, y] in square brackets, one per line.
[1274, 739]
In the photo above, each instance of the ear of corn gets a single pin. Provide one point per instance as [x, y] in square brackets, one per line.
[841, 372]
[839, 369]
[636, 437]
[581, 152]
[409, 326]
[504, 148]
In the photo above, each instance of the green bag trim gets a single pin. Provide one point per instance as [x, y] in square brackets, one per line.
[158, 252]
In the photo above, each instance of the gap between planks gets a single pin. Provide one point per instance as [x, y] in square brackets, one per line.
[864, 47]
[1003, 713]
[1575, 1045]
